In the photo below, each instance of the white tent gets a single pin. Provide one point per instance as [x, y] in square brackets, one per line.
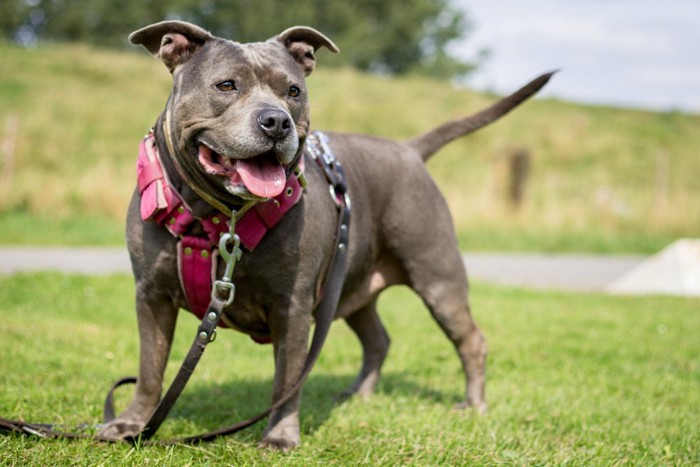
[675, 270]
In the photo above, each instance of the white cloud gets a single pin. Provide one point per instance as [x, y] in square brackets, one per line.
[637, 53]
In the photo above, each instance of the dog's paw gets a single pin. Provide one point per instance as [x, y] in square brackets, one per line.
[352, 394]
[480, 408]
[361, 389]
[283, 436]
[278, 444]
[120, 429]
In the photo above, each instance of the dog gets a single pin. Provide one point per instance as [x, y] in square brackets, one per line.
[236, 121]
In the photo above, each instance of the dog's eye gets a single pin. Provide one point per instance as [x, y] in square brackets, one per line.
[294, 91]
[226, 86]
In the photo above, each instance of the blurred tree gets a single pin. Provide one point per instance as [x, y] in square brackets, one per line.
[13, 15]
[387, 36]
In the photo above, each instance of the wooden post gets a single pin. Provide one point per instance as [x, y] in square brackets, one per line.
[519, 163]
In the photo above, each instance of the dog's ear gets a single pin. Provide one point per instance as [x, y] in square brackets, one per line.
[302, 42]
[174, 42]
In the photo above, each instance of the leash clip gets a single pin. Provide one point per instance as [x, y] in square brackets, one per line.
[230, 251]
[34, 432]
[230, 248]
[223, 290]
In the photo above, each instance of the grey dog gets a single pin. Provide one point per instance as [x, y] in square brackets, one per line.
[235, 106]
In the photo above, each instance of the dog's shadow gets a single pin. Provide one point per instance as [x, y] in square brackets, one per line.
[212, 406]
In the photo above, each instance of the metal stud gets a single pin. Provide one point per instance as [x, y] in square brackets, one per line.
[342, 247]
[203, 336]
[188, 251]
[211, 316]
[216, 220]
[204, 254]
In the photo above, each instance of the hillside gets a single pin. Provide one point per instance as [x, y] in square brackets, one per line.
[600, 179]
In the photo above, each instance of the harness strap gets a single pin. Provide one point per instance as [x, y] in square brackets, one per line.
[197, 265]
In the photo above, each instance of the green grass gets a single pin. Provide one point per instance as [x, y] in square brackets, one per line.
[602, 179]
[24, 228]
[580, 379]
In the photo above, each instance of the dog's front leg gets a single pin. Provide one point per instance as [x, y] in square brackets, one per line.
[290, 335]
[156, 322]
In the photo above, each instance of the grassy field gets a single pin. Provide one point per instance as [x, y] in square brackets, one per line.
[576, 379]
[601, 179]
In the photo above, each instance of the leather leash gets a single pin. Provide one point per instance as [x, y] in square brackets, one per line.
[222, 295]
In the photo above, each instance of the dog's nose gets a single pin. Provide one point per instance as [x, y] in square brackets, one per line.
[275, 123]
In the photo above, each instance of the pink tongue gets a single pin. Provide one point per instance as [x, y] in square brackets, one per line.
[261, 176]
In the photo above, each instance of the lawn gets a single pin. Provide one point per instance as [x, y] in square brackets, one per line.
[574, 379]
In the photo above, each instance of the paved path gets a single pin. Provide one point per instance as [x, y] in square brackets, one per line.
[550, 271]
[78, 260]
[546, 271]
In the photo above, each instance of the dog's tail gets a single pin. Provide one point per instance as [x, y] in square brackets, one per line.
[427, 144]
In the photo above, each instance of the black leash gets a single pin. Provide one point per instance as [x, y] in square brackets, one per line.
[222, 295]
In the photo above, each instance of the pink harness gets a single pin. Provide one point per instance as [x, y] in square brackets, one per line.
[196, 255]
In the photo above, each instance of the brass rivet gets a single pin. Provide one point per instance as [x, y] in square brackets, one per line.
[181, 209]
[188, 251]
[205, 254]
[290, 191]
[172, 221]
[216, 221]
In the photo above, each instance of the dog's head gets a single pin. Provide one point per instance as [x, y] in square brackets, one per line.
[238, 113]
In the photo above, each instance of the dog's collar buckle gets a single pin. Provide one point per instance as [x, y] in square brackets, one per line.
[299, 174]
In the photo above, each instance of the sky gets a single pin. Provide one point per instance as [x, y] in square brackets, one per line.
[625, 53]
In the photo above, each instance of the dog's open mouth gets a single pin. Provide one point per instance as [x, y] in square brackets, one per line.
[262, 175]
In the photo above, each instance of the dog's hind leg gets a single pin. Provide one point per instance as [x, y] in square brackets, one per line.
[375, 345]
[444, 290]
[425, 246]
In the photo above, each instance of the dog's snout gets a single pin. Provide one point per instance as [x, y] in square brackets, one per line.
[275, 123]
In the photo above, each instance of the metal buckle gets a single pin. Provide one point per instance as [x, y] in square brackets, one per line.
[224, 291]
[230, 250]
[299, 174]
